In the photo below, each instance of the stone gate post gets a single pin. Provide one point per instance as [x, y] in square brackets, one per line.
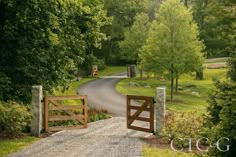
[36, 109]
[160, 108]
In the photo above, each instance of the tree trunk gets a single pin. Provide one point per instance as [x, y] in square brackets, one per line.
[199, 75]
[176, 82]
[186, 3]
[172, 83]
[141, 74]
[148, 75]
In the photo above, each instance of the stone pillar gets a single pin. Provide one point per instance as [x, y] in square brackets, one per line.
[36, 109]
[160, 108]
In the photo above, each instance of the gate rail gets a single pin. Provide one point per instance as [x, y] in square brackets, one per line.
[148, 106]
[52, 103]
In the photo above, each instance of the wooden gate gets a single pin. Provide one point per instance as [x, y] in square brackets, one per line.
[148, 106]
[54, 105]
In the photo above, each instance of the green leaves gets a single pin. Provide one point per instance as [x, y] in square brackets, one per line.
[222, 116]
[14, 118]
[172, 45]
[135, 38]
[43, 42]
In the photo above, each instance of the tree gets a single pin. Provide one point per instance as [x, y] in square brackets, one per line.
[222, 118]
[135, 38]
[173, 45]
[232, 67]
[216, 20]
[42, 42]
[123, 13]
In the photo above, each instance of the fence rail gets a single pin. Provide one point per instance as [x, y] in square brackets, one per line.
[54, 103]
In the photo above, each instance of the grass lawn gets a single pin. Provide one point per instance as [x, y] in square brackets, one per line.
[8, 146]
[156, 152]
[191, 96]
[111, 70]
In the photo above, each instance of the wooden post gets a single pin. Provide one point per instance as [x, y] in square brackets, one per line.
[85, 111]
[36, 109]
[160, 108]
[46, 115]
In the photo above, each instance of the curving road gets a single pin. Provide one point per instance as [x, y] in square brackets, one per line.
[102, 94]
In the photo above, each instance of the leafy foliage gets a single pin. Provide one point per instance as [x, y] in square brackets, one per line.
[43, 42]
[222, 116]
[14, 117]
[216, 20]
[232, 67]
[123, 13]
[173, 45]
[135, 37]
[182, 125]
[222, 113]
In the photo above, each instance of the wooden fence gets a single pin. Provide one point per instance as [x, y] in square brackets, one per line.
[148, 106]
[55, 103]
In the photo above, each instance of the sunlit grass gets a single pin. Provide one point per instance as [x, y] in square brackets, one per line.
[156, 152]
[8, 146]
[192, 94]
[72, 90]
[111, 70]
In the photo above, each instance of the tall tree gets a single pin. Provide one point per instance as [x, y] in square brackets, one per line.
[42, 41]
[173, 44]
[134, 38]
[216, 20]
[123, 13]
[221, 114]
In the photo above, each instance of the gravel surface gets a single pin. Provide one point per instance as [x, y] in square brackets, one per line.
[106, 138]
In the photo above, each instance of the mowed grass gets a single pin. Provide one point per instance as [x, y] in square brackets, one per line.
[192, 94]
[156, 152]
[8, 146]
[111, 70]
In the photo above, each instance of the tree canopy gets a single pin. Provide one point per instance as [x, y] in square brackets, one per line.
[42, 42]
[135, 37]
[172, 45]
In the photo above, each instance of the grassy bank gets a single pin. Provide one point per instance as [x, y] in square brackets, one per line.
[192, 94]
[156, 152]
[8, 146]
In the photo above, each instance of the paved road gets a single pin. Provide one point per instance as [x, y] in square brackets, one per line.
[102, 94]
[107, 138]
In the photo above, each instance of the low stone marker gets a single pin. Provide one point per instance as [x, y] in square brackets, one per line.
[160, 108]
[36, 109]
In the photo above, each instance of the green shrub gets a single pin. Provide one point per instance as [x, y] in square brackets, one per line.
[97, 114]
[100, 63]
[182, 125]
[14, 117]
[222, 117]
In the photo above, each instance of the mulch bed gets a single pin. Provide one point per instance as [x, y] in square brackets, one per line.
[7, 135]
[156, 142]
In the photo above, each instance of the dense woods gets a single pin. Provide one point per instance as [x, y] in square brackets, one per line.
[46, 42]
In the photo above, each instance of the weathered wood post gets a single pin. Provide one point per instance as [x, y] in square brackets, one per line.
[36, 109]
[160, 108]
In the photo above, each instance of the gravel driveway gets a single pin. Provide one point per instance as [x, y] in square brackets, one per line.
[107, 138]
[102, 94]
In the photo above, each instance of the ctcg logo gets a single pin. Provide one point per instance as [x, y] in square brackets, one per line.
[218, 144]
